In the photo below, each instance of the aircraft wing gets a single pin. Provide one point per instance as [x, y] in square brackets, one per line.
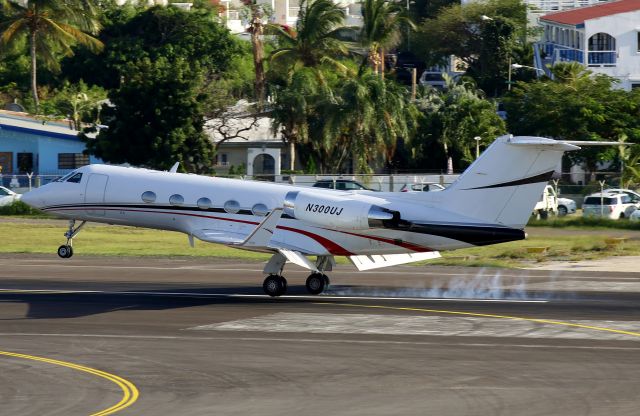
[219, 236]
[258, 238]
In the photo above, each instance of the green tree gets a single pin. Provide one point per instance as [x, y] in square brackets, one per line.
[156, 118]
[576, 105]
[452, 118]
[372, 115]
[314, 40]
[51, 27]
[79, 102]
[381, 24]
[483, 45]
[131, 34]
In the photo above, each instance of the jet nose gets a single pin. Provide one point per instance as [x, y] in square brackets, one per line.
[33, 199]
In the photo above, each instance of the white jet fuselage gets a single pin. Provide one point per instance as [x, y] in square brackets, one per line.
[114, 195]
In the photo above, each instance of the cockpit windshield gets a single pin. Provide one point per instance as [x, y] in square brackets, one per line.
[65, 177]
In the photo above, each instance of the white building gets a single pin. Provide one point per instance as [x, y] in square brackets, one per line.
[247, 142]
[605, 38]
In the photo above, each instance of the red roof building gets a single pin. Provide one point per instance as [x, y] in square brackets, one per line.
[603, 37]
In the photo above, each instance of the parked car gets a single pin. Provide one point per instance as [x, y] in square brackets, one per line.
[341, 185]
[633, 195]
[608, 205]
[422, 187]
[550, 204]
[7, 196]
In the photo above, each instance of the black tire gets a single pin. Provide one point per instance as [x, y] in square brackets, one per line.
[316, 283]
[65, 251]
[562, 211]
[544, 214]
[274, 285]
[327, 282]
[622, 216]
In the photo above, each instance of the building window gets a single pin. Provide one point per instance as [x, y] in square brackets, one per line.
[638, 42]
[25, 162]
[72, 160]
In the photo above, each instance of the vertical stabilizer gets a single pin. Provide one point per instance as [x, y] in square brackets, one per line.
[503, 185]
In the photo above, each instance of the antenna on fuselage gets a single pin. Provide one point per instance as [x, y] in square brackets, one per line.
[174, 168]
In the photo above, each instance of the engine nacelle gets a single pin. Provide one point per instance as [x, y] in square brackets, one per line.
[337, 212]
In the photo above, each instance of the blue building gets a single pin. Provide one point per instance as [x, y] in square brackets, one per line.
[44, 148]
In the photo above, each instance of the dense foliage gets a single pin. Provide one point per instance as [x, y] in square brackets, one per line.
[336, 103]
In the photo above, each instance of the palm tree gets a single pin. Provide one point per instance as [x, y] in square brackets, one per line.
[52, 27]
[314, 40]
[372, 115]
[382, 20]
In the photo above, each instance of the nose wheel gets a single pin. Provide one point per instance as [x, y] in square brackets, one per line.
[65, 251]
[275, 285]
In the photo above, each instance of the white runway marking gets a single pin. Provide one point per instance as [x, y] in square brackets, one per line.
[249, 296]
[446, 326]
[320, 341]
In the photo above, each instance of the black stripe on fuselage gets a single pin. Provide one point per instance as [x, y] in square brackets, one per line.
[543, 177]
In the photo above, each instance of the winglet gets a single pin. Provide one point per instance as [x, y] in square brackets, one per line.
[174, 168]
[261, 236]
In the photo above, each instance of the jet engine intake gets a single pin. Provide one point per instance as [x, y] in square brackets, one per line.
[337, 212]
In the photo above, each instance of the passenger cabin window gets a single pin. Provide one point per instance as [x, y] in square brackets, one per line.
[260, 210]
[232, 207]
[149, 197]
[176, 199]
[204, 203]
[75, 178]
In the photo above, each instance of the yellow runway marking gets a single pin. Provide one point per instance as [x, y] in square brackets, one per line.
[487, 315]
[129, 390]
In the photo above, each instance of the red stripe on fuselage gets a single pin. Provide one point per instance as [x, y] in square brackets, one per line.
[403, 244]
[331, 247]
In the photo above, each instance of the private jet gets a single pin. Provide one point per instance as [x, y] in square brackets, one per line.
[489, 203]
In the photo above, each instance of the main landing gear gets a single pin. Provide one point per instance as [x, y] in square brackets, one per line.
[276, 285]
[66, 250]
[317, 283]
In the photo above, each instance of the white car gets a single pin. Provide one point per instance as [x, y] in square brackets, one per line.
[633, 195]
[608, 205]
[7, 196]
[422, 187]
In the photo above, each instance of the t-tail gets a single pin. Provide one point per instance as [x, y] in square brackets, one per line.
[503, 185]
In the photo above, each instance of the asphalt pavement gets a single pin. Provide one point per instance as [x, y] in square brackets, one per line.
[131, 336]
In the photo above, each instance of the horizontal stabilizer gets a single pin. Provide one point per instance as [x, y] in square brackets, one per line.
[261, 236]
[385, 260]
[297, 258]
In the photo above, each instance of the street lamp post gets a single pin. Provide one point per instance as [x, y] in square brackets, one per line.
[477, 139]
[518, 66]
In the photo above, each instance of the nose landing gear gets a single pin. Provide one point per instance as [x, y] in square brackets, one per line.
[66, 250]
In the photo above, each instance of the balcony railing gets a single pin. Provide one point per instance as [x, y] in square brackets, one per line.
[559, 53]
[602, 58]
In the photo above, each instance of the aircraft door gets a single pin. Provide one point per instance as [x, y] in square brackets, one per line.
[94, 193]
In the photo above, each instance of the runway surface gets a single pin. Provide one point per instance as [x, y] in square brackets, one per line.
[131, 336]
